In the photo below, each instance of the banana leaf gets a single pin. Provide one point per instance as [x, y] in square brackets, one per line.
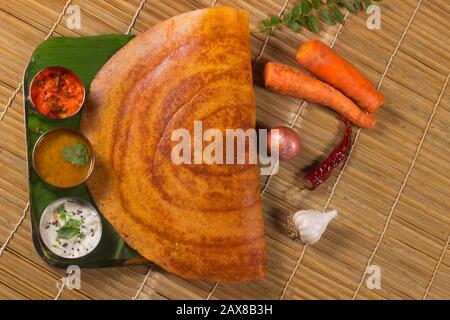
[85, 56]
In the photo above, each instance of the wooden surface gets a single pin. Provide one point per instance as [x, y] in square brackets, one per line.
[392, 195]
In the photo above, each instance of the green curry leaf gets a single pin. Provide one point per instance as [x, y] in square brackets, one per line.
[306, 13]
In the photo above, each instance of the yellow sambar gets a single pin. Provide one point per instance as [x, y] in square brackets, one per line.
[50, 164]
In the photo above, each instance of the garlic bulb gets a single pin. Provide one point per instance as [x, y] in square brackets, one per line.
[311, 224]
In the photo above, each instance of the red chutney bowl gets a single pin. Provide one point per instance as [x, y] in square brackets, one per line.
[57, 93]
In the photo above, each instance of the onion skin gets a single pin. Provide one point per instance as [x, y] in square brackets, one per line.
[289, 142]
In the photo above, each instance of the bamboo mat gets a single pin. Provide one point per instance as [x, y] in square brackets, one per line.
[392, 195]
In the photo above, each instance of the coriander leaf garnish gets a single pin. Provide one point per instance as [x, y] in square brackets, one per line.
[77, 154]
[67, 232]
[73, 223]
[70, 227]
[306, 14]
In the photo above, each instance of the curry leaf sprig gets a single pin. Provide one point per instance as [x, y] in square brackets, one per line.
[308, 13]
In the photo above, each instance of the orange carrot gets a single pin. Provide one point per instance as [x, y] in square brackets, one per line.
[328, 66]
[290, 81]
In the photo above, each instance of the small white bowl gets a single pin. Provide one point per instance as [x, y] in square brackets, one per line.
[77, 246]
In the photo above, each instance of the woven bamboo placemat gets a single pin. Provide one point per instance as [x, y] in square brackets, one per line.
[392, 194]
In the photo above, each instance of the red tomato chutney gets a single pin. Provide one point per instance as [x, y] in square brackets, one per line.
[57, 93]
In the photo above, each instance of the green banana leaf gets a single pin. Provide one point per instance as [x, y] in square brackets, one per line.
[85, 56]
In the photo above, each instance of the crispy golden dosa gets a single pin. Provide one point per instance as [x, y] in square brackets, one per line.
[197, 221]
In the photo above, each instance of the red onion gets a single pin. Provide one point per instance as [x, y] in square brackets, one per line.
[288, 141]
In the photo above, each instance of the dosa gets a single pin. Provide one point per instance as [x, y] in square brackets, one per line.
[199, 221]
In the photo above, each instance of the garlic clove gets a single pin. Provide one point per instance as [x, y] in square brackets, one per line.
[327, 217]
[312, 224]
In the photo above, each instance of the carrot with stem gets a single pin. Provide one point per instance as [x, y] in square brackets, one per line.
[328, 66]
[290, 81]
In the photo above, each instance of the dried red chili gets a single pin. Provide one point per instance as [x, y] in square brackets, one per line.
[319, 175]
